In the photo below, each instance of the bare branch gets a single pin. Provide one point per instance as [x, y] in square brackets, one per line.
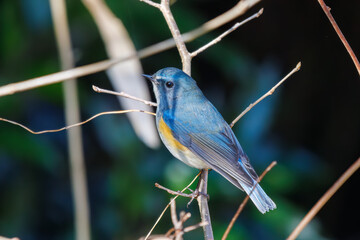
[240, 8]
[326, 10]
[76, 124]
[175, 32]
[177, 193]
[270, 92]
[124, 77]
[203, 204]
[167, 206]
[191, 228]
[246, 199]
[324, 199]
[233, 28]
[122, 94]
[178, 225]
[151, 3]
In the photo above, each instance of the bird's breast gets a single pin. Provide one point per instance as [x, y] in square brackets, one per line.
[177, 149]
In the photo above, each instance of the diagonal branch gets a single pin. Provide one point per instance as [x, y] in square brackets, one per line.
[233, 28]
[270, 92]
[326, 10]
[324, 199]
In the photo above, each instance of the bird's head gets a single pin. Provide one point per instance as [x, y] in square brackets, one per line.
[171, 83]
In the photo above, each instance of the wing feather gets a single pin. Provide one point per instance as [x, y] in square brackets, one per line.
[217, 147]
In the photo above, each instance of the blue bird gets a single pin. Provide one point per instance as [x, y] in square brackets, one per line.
[196, 133]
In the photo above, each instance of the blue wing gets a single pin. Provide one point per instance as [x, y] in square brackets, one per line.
[213, 141]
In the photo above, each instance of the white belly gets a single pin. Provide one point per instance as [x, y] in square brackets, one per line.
[187, 157]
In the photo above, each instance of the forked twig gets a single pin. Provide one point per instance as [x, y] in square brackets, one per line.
[167, 206]
[246, 199]
[270, 92]
[324, 199]
[326, 10]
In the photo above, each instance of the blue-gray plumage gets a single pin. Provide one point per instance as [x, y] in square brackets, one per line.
[196, 133]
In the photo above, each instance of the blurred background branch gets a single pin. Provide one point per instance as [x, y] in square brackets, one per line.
[126, 76]
[240, 8]
[72, 116]
[324, 199]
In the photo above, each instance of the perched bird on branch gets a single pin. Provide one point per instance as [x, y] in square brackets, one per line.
[196, 133]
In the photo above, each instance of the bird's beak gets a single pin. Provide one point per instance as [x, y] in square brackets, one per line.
[149, 77]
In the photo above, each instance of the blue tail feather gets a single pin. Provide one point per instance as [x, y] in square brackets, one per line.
[259, 198]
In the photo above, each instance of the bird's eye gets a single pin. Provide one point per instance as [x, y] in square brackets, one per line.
[169, 84]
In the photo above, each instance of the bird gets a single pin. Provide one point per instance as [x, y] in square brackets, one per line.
[195, 132]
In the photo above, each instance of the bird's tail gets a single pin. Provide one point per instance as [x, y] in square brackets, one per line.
[259, 198]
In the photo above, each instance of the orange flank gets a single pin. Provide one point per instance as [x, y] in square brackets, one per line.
[168, 136]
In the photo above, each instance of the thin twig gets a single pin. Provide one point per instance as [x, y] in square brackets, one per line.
[167, 206]
[76, 124]
[326, 10]
[122, 94]
[191, 228]
[246, 199]
[233, 28]
[184, 216]
[324, 199]
[177, 193]
[270, 92]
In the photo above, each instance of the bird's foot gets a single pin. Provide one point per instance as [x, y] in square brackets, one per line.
[195, 194]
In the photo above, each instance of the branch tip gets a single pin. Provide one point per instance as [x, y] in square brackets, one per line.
[261, 11]
[95, 88]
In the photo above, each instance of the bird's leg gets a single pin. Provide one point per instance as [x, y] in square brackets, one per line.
[196, 193]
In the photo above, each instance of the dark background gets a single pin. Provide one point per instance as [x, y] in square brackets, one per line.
[310, 125]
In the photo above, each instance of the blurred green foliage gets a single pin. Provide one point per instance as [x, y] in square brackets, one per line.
[310, 126]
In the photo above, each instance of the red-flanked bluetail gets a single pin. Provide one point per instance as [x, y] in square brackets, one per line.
[196, 133]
